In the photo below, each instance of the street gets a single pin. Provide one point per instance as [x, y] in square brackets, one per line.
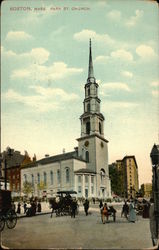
[81, 232]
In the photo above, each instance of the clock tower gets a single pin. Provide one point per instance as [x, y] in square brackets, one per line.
[92, 146]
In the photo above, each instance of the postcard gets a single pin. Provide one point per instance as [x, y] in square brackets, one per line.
[79, 124]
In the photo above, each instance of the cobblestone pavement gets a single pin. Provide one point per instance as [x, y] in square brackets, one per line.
[82, 232]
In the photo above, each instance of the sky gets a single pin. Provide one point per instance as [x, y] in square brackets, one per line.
[44, 67]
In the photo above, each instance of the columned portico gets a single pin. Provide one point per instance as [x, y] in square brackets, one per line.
[83, 185]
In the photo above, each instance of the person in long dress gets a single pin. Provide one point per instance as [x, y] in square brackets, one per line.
[132, 213]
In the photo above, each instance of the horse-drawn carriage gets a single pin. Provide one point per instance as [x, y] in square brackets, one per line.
[61, 204]
[7, 213]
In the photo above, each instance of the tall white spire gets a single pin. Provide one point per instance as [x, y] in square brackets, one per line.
[90, 67]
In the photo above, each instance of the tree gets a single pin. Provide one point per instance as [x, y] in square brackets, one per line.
[41, 186]
[27, 188]
[117, 180]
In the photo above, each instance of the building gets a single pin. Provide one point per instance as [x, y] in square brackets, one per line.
[131, 176]
[146, 190]
[127, 182]
[11, 164]
[84, 170]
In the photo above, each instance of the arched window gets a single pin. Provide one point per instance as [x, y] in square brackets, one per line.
[32, 179]
[45, 178]
[25, 178]
[88, 107]
[87, 156]
[102, 174]
[67, 175]
[58, 176]
[100, 128]
[88, 91]
[88, 128]
[51, 178]
[38, 175]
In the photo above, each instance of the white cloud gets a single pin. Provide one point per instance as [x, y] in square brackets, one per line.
[36, 55]
[44, 100]
[114, 105]
[21, 73]
[85, 35]
[114, 15]
[102, 3]
[116, 85]
[127, 74]
[58, 70]
[155, 93]
[18, 35]
[145, 51]
[155, 83]
[122, 54]
[40, 55]
[55, 93]
[134, 19]
[101, 59]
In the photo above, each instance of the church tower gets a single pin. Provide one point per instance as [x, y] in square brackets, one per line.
[92, 146]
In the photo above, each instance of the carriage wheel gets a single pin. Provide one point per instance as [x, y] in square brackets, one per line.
[11, 219]
[2, 223]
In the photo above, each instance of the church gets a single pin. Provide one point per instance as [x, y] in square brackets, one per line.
[84, 170]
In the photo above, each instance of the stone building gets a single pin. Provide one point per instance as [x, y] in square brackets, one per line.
[146, 190]
[85, 170]
[128, 183]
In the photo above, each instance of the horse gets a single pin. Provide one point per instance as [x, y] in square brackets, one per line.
[61, 207]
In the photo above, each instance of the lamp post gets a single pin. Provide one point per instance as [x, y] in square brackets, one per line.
[9, 153]
[155, 163]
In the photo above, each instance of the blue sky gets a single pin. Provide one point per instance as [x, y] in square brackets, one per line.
[44, 67]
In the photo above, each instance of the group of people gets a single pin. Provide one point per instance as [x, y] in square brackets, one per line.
[129, 211]
[107, 211]
[29, 208]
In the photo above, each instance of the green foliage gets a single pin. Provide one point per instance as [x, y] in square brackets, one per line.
[27, 188]
[117, 181]
[41, 185]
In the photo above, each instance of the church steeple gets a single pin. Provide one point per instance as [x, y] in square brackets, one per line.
[91, 119]
[91, 77]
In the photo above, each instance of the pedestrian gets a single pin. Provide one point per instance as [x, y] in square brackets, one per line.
[125, 210]
[39, 207]
[18, 208]
[146, 207]
[132, 213]
[153, 222]
[112, 210]
[33, 206]
[86, 206]
[100, 204]
[73, 208]
[104, 213]
[25, 207]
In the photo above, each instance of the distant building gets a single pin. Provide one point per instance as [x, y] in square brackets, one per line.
[126, 183]
[131, 176]
[146, 190]
[84, 170]
[14, 160]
